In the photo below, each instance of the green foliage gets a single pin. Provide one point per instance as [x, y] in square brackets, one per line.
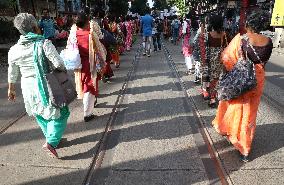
[161, 4]
[8, 32]
[139, 6]
[186, 6]
[118, 7]
[7, 4]
[182, 5]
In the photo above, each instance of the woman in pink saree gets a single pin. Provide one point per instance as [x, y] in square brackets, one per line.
[129, 28]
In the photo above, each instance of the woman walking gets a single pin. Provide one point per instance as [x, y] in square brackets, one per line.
[236, 118]
[129, 28]
[117, 35]
[27, 58]
[186, 47]
[121, 36]
[107, 71]
[216, 40]
[92, 55]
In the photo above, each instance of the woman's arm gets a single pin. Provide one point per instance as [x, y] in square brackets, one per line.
[13, 73]
[53, 56]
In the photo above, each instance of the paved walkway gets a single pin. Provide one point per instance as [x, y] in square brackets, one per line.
[23, 162]
[155, 139]
[268, 146]
[155, 136]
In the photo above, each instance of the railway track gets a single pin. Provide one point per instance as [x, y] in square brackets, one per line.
[99, 156]
[101, 151]
[224, 177]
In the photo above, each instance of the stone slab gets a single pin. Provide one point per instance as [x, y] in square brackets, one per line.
[36, 175]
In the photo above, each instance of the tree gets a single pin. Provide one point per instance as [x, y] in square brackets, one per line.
[139, 6]
[182, 5]
[186, 6]
[8, 3]
[118, 7]
[161, 4]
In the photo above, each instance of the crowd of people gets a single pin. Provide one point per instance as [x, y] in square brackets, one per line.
[208, 51]
[99, 39]
[210, 54]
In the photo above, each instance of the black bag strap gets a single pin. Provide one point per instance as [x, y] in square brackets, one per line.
[246, 38]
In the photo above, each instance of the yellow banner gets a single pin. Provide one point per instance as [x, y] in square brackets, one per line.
[278, 13]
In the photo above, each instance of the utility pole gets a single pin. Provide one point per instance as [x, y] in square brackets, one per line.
[244, 6]
[19, 6]
[47, 5]
[33, 6]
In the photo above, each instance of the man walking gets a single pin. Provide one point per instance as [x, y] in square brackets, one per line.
[157, 30]
[175, 28]
[147, 26]
[46, 25]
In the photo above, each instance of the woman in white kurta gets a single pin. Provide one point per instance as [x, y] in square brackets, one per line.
[28, 58]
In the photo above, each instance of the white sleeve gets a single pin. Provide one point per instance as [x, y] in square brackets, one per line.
[13, 69]
[52, 54]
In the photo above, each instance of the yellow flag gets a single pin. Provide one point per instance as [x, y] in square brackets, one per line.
[278, 13]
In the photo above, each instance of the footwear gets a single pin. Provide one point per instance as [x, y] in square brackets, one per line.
[50, 150]
[212, 104]
[227, 139]
[148, 55]
[197, 80]
[96, 100]
[89, 118]
[244, 158]
[104, 79]
[205, 95]
[190, 71]
[144, 53]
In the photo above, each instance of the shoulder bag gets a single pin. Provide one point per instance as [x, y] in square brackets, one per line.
[60, 88]
[241, 78]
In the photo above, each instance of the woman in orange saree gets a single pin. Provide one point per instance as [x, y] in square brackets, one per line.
[236, 118]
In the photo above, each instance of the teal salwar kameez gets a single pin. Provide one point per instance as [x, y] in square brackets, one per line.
[29, 57]
[53, 129]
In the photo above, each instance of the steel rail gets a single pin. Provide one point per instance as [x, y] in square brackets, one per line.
[222, 173]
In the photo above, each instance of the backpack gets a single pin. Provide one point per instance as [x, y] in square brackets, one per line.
[176, 24]
[160, 27]
[108, 38]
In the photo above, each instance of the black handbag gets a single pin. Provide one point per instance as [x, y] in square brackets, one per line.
[60, 88]
[241, 78]
[108, 38]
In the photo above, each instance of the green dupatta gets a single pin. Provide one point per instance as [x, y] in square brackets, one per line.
[40, 65]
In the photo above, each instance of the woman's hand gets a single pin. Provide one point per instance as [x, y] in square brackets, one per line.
[11, 92]
[11, 95]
